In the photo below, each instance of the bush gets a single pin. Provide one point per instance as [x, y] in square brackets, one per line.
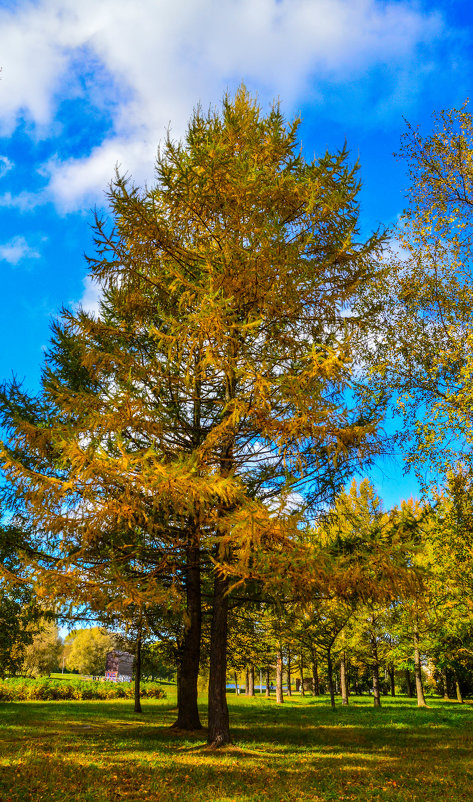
[18, 689]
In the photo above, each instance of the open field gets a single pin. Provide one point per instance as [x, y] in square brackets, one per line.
[95, 751]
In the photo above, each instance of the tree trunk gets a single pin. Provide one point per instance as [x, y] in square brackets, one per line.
[247, 681]
[458, 689]
[355, 682]
[189, 648]
[279, 693]
[268, 692]
[251, 690]
[288, 673]
[375, 670]
[391, 680]
[235, 678]
[315, 673]
[330, 678]
[219, 722]
[407, 675]
[344, 679]
[301, 666]
[418, 671]
[445, 684]
[138, 669]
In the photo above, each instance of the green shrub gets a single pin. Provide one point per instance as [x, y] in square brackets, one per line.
[18, 689]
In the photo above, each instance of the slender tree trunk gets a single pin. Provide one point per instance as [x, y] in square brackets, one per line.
[418, 671]
[375, 670]
[235, 678]
[355, 682]
[458, 689]
[344, 678]
[279, 693]
[219, 722]
[268, 692]
[391, 680]
[251, 689]
[301, 666]
[247, 681]
[260, 683]
[407, 675]
[445, 684]
[315, 673]
[288, 673]
[189, 648]
[330, 677]
[138, 668]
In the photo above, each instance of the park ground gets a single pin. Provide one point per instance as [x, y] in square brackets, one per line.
[301, 750]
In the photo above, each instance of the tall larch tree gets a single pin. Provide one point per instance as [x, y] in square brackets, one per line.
[220, 370]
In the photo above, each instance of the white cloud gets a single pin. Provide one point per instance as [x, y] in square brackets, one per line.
[5, 165]
[16, 250]
[24, 201]
[146, 63]
[90, 300]
[89, 177]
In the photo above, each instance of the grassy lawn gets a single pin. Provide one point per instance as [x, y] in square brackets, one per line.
[301, 750]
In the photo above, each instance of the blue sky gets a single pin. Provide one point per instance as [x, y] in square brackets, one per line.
[87, 85]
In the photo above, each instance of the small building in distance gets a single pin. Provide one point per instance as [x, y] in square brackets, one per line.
[119, 666]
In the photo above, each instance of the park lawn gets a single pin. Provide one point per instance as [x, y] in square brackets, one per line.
[301, 750]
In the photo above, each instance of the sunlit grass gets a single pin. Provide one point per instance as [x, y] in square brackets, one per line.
[302, 750]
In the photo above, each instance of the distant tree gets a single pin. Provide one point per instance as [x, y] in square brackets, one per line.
[19, 608]
[422, 354]
[89, 648]
[42, 654]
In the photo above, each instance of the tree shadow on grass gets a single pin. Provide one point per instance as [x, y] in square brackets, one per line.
[305, 751]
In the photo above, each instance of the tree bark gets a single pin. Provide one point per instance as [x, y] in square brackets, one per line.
[138, 669]
[315, 673]
[247, 681]
[418, 671]
[330, 677]
[445, 684]
[407, 675]
[391, 680]
[279, 693]
[458, 689]
[355, 682]
[288, 673]
[189, 648]
[235, 678]
[301, 667]
[268, 692]
[375, 671]
[252, 681]
[219, 722]
[344, 679]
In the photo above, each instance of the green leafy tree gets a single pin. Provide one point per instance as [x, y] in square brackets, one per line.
[88, 651]
[19, 607]
[43, 653]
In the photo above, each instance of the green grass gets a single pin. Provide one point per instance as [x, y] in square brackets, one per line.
[94, 751]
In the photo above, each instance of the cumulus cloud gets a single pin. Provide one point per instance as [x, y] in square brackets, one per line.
[5, 165]
[145, 64]
[17, 250]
